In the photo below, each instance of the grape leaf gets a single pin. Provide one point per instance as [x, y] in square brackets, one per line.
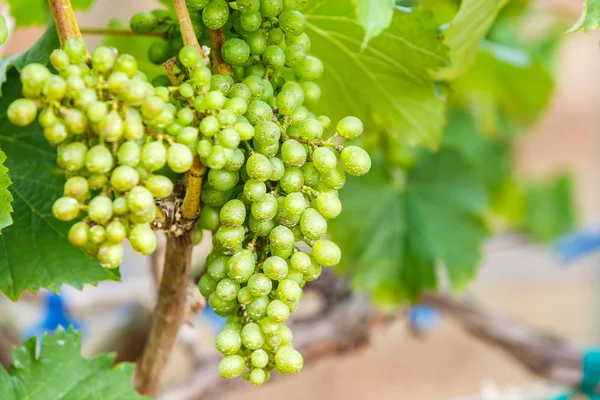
[35, 252]
[57, 371]
[375, 16]
[38, 53]
[35, 12]
[394, 232]
[5, 197]
[468, 28]
[137, 46]
[590, 19]
[386, 84]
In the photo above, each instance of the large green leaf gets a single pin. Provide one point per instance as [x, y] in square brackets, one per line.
[5, 197]
[469, 27]
[35, 12]
[394, 232]
[386, 84]
[58, 372]
[590, 19]
[375, 16]
[38, 53]
[35, 252]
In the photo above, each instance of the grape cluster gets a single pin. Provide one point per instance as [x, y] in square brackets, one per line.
[107, 123]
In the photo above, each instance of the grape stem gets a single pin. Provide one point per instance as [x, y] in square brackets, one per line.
[217, 37]
[64, 19]
[116, 32]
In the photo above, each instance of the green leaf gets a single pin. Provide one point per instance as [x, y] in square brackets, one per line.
[393, 234]
[387, 84]
[35, 251]
[504, 81]
[5, 197]
[38, 53]
[35, 12]
[469, 27]
[137, 46]
[590, 19]
[58, 372]
[550, 209]
[375, 16]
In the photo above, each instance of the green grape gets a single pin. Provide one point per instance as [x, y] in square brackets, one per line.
[265, 208]
[97, 234]
[355, 160]
[278, 311]
[140, 201]
[282, 237]
[295, 55]
[72, 156]
[159, 51]
[295, 203]
[328, 205]
[143, 239]
[310, 70]
[22, 112]
[327, 253]
[296, 276]
[56, 134]
[103, 59]
[312, 177]
[227, 290]
[215, 14]
[220, 306]
[66, 209]
[207, 285]
[215, 100]
[120, 206]
[257, 309]
[275, 268]
[233, 213]
[78, 234]
[99, 159]
[278, 169]
[335, 179]
[259, 167]
[251, 21]
[292, 180]
[259, 285]
[324, 159]
[248, 6]
[257, 89]
[229, 138]
[286, 102]
[124, 178]
[350, 127]
[209, 126]
[288, 361]
[301, 262]
[254, 190]
[294, 4]
[300, 114]
[77, 188]
[214, 198]
[129, 153]
[289, 291]
[59, 58]
[76, 49]
[116, 232]
[111, 128]
[154, 156]
[189, 57]
[228, 342]
[111, 255]
[100, 210]
[143, 23]
[229, 239]
[312, 224]
[292, 22]
[293, 153]
[259, 358]
[274, 57]
[196, 5]
[223, 180]
[179, 158]
[209, 219]
[269, 327]
[97, 181]
[127, 64]
[241, 265]
[237, 105]
[286, 335]
[244, 296]
[236, 160]
[310, 129]
[252, 336]
[257, 42]
[221, 83]
[217, 266]
[231, 366]
[75, 121]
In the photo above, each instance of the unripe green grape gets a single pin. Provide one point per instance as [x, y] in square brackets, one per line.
[257, 309]
[235, 51]
[229, 138]
[77, 188]
[260, 228]
[227, 118]
[34, 76]
[209, 219]
[327, 253]
[259, 111]
[103, 59]
[100, 210]
[75, 121]
[140, 200]
[314, 272]
[312, 177]
[236, 160]
[215, 14]
[160, 186]
[197, 5]
[252, 336]
[179, 158]
[278, 169]
[99, 160]
[231, 366]
[209, 126]
[250, 22]
[188, 136]
[281, 237]
[217, 266]
[324, 159]
[325, 121]
[312, 224]
[97, 234]
[120, 206]
[214, 198]
[259, 285]
[47, 118]
[275, 36]
[355, 160]
[273, 57]
[282, 253]
[350, 127]
[111, 128]
[335, 179]
[241, 265]
[229, 239]
[97, 181]
[292, 22]
[278, 311]
[275, 268]
[185, 116]
[215, 100]
[201, 76]
[254, 190]
[293, 153]
[288, 360]
[154, 156]
[220, 306]
[124, 178]
[244, 296]
[66, 209]
[295, 203]
[127, 64]
[223, 180]
[228, 342]
[159, 51]
[143, 23]
[111, 255]
[135, 92]
[186, 90]
[233, 213]
[289, 291]
[257, 89]
[204, 148]
[78, 234]
[269, 93]
[97, 111]
[257, 42]
[129, 153]
[143, 239]
[310, 129]
[269, 327]
[259, 358]
[301, 262]
[259, 167]
[71, 157]
[296, 276]
[292, 180]
[328, 205]
[227, 289]
[117, 82]
[116, 232]
[189, 57]
[207, 285]
[310, 70]
[59, 59]
[265, 208]
[152, 107]
[22, 112]
[247, 6]
[76, 49]
[267, 133]
[56, 134]
[286, 102]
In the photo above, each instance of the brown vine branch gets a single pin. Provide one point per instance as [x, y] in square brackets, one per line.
[116, 32]
[217, 37]
[64, 19]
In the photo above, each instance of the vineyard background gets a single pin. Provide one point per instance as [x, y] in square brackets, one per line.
[518, 279]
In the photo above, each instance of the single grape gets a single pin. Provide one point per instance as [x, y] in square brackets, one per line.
[207, 285]
[215, 14]
[292, 22]
[288, 361]
[355, 160]
[310, 70]
[228, 342]
[282, 237]
[111, 255]
[99, 159]
[274, 57]
[259, 167]
[275, 268]
[179, 158]
[293, 153]
[350, 127]
[312, 224]
[259, 358]
[328, 204]
[267, 133]
[97, 234]
[228, 289]
[231, 366]
[76, 49]
[209, 219]
[66, 209]
[78, 234]
[223, 180]
[143, 239]
[22, 112]
[143, 23]
[327, 253]
[265, 208]
[159, 51]
[77, 188]
[241, 265]
[124, 178]
[71, 157]
[257, 309]
[116, 232]
[252, 336]
[259, 285]
[100, 209]
[154, 156]
[160, 186]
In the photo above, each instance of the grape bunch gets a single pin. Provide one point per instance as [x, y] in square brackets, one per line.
[108, 125]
